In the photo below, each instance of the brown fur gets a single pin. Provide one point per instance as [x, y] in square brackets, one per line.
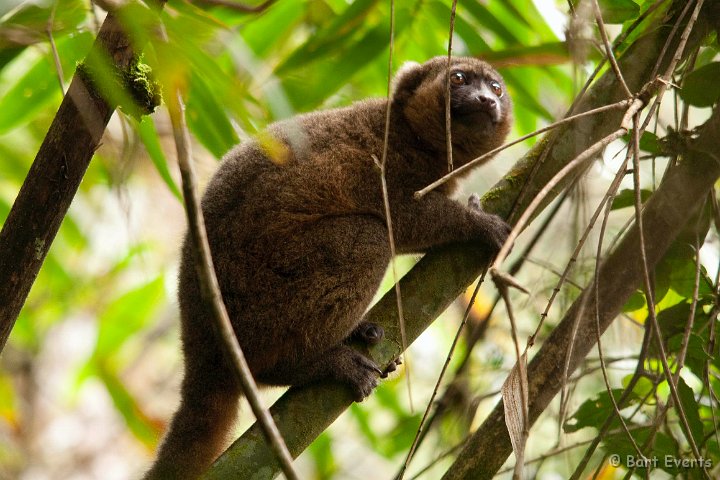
[297, 230]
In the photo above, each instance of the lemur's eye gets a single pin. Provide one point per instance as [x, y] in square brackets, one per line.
[458, 78]
[497, 89]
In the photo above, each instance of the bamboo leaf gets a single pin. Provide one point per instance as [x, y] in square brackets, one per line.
[149, 136]
[702, 86]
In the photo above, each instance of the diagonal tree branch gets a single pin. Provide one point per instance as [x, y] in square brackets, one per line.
[433, 284]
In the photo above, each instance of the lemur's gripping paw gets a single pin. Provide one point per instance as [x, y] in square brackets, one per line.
[493, 230]
[354, 369]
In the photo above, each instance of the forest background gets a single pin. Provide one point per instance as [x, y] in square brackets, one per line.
[90, 372]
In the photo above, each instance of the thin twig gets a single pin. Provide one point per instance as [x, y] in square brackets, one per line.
[566, 170]
[706, 373]
[649, 330]
[240, 7]
[689, 67]
[598, 333]
[520, 198]
[211, 289]
[434, 462]
[431, 402]
[458, 171]
[551, 268]
[557, 451]
[646, 278]
[635, 106]
[609, 50]
[667, 76]
[712, 321]
[607, 200]
[501, 282]
[662, 416]
[56, 58]
[627, 392]
[650, 300]
[448, 133]
[580, 159]
[693, 308]
[448, 144]
[382, 164]
[475, 335]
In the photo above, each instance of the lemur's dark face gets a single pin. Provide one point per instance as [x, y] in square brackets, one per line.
[477, 95]
[480, 106]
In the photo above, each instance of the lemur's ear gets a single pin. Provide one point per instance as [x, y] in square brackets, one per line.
[407, 79]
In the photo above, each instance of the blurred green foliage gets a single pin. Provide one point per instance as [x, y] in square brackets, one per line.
[240, 71]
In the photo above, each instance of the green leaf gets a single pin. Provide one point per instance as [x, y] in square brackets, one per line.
[264, 33]
[691, 410]
[362, 416]
[701, 87]
[626, 198]
[142, 427]
[524, 19]
[618, 11]
[643, 386]
[594, 412]
[680, 269]
[32, 91]
[149, 136]
[649, 142]
[321, 452]
[127, 314]
[672, 320]
[402, 433]
[30, 21]
[327, 40]
[330, 76]
[527, 55]
[210, 68]
[490, 22]
[521, 94]
[7, 55]
[440, 13]
[635, 302]
[696, 355]
[207, 118]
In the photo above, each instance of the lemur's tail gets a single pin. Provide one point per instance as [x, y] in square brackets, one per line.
[199, 430]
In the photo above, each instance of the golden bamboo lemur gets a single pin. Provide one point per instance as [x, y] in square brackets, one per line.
[298, 235]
